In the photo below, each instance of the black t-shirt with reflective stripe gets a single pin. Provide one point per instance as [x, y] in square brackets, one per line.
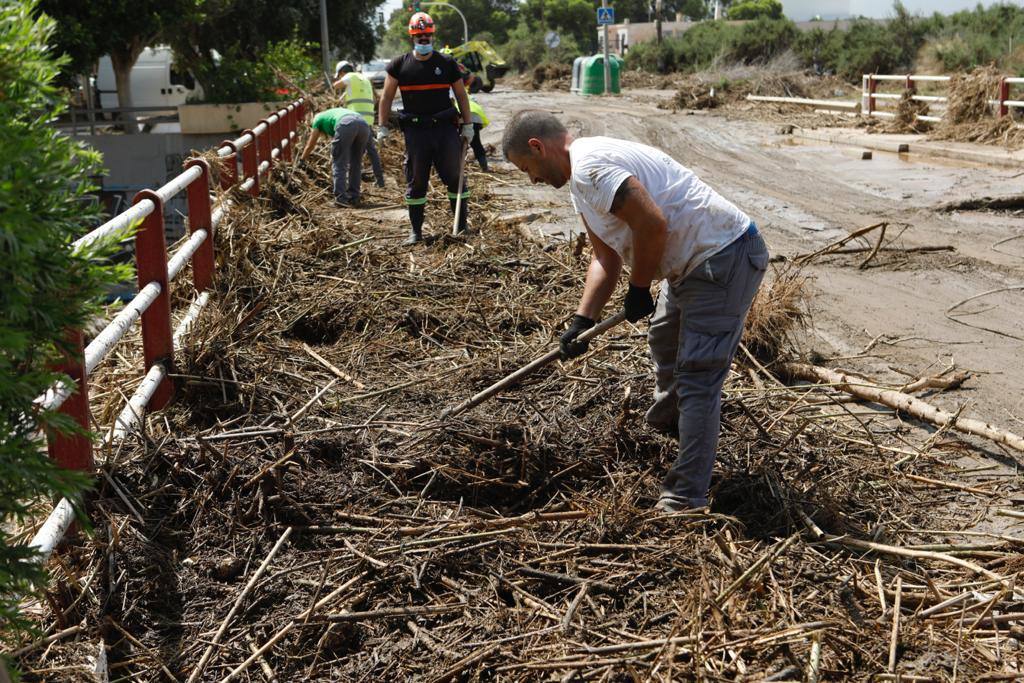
[424, 84]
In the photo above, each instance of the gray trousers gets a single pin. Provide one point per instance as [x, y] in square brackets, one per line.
[350, 138]
[694, 333]
[371, 151]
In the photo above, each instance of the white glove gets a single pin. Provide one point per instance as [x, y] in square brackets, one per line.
[467, 132]
[382, 133]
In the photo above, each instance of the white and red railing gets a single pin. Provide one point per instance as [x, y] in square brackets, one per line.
[273, 139]
[870, 96]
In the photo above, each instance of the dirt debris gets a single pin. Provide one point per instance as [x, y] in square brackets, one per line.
[515, 542]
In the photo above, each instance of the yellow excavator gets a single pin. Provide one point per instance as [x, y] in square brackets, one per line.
[482, 60]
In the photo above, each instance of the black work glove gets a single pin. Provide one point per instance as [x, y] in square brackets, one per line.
[638, 303]
[568, 346]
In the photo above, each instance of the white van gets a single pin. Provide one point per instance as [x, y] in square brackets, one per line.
[155, 82]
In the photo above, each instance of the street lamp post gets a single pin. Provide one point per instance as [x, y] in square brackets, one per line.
[323, 38]
[465, 26]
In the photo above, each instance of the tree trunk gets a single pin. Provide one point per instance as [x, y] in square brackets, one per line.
[123, 61]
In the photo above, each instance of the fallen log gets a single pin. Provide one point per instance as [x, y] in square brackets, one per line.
[904, 403]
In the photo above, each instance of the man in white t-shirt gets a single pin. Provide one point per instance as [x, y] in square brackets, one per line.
[643, 209]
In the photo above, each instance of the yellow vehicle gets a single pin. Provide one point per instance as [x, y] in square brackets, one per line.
[482, 60]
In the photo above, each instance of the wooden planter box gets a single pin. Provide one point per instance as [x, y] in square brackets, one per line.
[223, 118]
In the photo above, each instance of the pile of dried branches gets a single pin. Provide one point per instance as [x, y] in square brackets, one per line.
[301, 513]
[970, 118]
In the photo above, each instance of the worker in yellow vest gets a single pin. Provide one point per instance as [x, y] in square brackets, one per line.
[479, 118]
[357, 95]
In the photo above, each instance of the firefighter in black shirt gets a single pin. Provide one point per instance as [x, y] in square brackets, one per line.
[428, 121]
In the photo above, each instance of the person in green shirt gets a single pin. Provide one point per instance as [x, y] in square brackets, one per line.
[350, 134]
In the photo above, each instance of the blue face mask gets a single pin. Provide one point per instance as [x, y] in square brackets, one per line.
[423, 49]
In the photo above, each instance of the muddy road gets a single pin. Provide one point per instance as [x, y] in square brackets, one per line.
[891, 314]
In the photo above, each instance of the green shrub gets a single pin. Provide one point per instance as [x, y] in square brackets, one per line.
[45, 203]
[755, 9]
[235, 78]
[762, 39]
[526, 49]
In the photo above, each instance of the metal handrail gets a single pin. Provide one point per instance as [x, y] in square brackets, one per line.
[869, 94]
[152, 303]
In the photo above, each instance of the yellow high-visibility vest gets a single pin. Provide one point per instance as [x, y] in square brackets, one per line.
[359, 96]
[478, 114]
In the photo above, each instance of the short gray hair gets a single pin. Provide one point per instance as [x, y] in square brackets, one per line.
[526, 124]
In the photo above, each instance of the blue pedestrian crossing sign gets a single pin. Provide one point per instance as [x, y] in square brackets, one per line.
[605, 15]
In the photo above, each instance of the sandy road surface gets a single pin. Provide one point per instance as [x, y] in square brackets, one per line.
[805, 196]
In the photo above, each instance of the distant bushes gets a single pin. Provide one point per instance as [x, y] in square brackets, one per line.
[937, 43]
[711, 42]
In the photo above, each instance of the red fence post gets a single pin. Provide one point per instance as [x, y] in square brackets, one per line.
[1004, 94]
[872, 87]
[229, 167]
[265, 145]
[200, 218]
[251, 162]
[73, 451]
[151, 264]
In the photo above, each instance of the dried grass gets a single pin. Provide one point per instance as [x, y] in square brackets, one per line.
[518, 539]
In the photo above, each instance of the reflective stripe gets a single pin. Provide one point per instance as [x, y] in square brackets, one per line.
[455, 195]
[428, 86]
[415, 201]
[350, 102]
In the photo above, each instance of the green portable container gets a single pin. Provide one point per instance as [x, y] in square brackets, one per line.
[593, 75]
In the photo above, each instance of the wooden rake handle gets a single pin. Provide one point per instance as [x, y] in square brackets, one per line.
[530, 367]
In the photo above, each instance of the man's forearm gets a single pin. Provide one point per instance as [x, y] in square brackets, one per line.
[648, 248]
[597, 289]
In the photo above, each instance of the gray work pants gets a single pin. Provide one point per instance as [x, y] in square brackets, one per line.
[371, 151]
[694, 333]
[350, 138]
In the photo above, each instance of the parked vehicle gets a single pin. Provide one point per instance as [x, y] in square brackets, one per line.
[154, 81]
[375, 71]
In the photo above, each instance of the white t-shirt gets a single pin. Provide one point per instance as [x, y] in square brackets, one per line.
[700, 221]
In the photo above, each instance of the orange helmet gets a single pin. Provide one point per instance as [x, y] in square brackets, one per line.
[420, 23]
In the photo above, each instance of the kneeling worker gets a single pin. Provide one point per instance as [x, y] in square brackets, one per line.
[428, 121]
[641, 207]
[349, 133]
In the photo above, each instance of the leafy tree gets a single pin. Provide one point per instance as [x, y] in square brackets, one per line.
[489, 20]
[119, 28]
[245, 29]
[755, 9]
[44, 204]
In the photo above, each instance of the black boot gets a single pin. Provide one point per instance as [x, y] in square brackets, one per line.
[416, 213]
[462, 215]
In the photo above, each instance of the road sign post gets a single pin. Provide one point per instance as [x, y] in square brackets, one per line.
[606, 16]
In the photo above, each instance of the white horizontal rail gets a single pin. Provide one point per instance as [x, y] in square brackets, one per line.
[929, 98]
[1017, 81]
[885, 96]
[179, 183]
[115, 224]
[837, 104]
[99, 347]
[1014, 103]
[53, 529]
[131, 415]
[930, 79]
[182, 256]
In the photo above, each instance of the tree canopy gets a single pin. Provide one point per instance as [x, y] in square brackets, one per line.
[755, 9]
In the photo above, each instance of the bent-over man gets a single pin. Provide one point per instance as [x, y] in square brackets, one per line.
[349, 133]
[642, 208]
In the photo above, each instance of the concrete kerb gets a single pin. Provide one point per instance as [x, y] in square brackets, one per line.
[916, 144]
